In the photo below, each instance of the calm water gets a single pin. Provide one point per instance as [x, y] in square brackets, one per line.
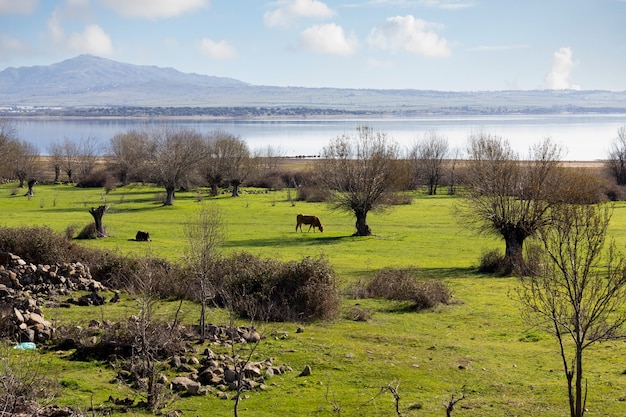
[585, 137]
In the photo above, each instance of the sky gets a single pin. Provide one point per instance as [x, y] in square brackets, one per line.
[446, 45]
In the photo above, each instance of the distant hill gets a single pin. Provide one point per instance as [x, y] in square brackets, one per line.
[89, 81]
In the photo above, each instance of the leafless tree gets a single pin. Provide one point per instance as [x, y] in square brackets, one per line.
[8, 136]
[427, 159]
[359, 170]
[206, 233]
[506, 196]
[24, 161]
[88, 150]
[177, 153]
[237, 164]
[578, 289]
[616, 162]
[65, 154]
[55, 153]
[129, 153]
[222, 150]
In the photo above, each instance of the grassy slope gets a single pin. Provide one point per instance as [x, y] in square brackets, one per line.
[510, 367]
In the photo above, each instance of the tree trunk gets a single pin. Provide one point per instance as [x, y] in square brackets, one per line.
[31, 190]
[169, 196]
[362, 229]
[580, 406]
[97, 214]
[236, 184]
[513, 255]
[57, 173]
[69, 176]
[214, 189]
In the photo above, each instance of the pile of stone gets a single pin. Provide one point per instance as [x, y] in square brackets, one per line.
[215, 374]
[24, 287]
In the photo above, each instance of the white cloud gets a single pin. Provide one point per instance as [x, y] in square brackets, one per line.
[217, 50]
[562, 66]
[496, 48]
[286, 11]
[328, 39]
[10, 46]
[92, 40]
[440, 4]
[410, 34]
[18, 6]
[154, 9]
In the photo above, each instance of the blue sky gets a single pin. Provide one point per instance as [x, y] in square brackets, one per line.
[451, 45]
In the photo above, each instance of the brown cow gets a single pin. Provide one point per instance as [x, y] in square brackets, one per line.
[312, 221]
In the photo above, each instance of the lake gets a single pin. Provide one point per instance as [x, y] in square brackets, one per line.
[584, 137]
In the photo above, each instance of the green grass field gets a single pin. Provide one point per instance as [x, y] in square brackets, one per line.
[478, 343]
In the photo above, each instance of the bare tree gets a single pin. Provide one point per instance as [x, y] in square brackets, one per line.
[616, 162]
[65, 155]
[88, 151]
[359, 169]
[177, 153]
[427, 160]
[577, 289]
[129, 153]
[506, 196]
[206, 234]
[24, 161]
[55, 153]
[237, 164]
[8, 136]
[222, 150]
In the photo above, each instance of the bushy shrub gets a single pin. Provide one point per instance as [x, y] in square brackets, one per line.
[403, 285]
[492, 262]
[277, 291]
[313, 194]
[37, 245]
[88, 232]
[98, 179]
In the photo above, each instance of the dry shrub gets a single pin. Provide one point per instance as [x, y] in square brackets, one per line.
[37, 245]
[98, 179]
[88, 232]
[22, 382]
[357, 313]
[313, 194]
[402, 285]
[267, 289]
[492, 262]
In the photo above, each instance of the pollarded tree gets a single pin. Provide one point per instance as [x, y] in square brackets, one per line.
[359, 170]
[507, 196]
[616, 162]
[577, 289]
[177, 153]
[129, 153]
[224, 151]
[427, 160]
[24, 161]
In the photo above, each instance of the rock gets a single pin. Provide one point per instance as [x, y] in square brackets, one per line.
[182, 383]
[306, 371]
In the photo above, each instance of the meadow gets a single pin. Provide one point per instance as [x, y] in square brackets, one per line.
[477, 345]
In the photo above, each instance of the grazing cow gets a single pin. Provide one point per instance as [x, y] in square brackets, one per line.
[312, 221]
[142, 236]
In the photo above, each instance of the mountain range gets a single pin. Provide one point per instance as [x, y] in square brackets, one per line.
[90, 81]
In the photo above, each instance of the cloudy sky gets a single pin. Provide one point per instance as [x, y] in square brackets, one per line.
[454, 45]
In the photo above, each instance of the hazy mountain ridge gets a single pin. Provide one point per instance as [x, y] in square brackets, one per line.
[89, 81]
